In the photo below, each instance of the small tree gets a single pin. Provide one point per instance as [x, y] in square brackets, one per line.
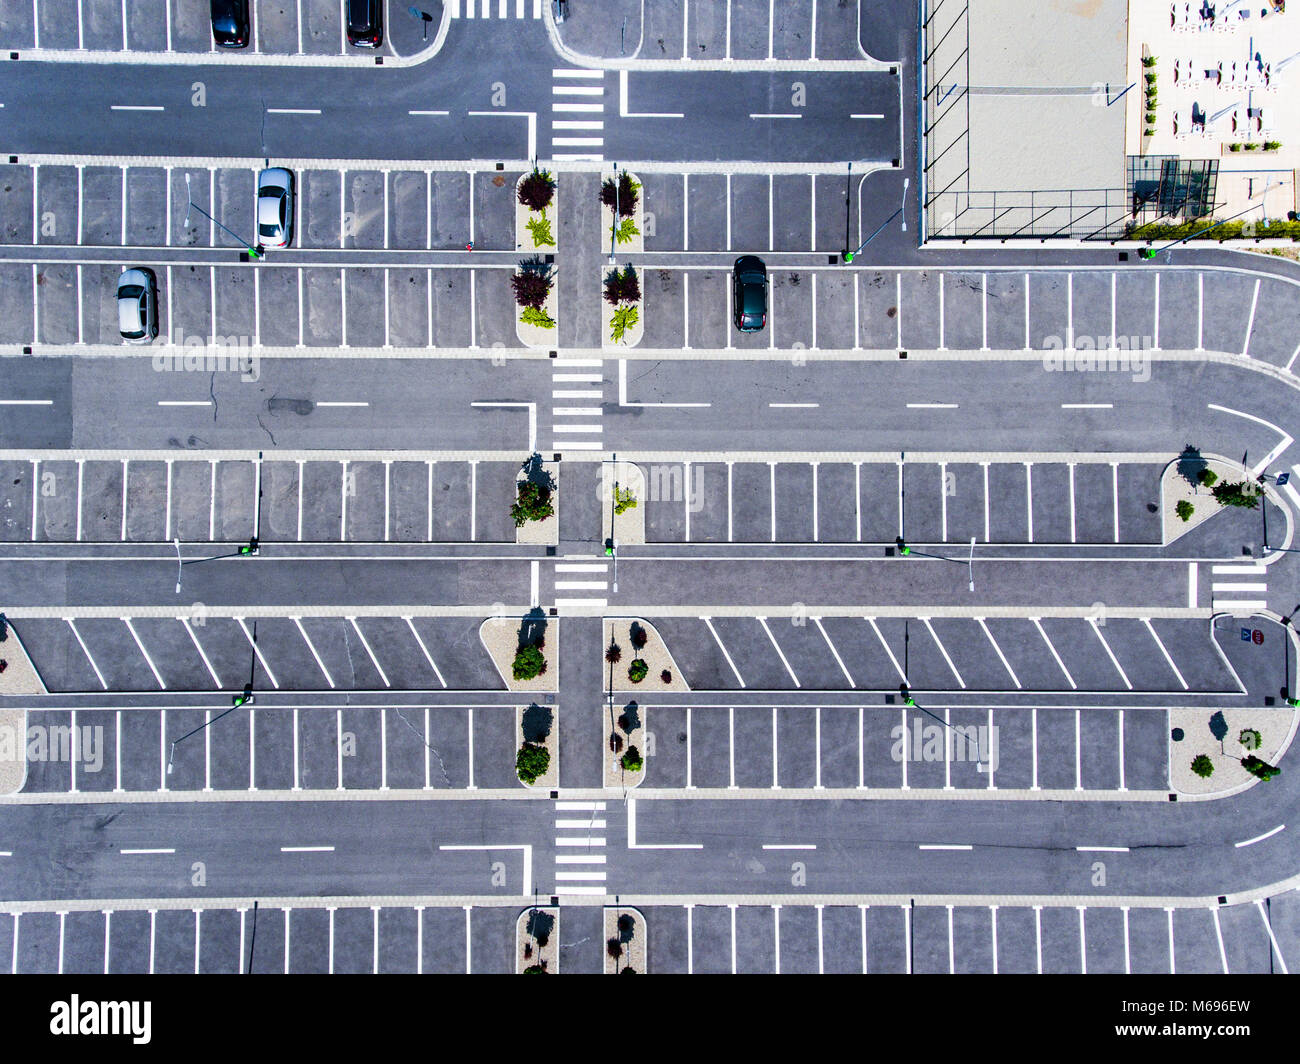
[536, 969]
[621, 197]
[1208, 478]
[1260, 769]
[531, 762]
[529, 663]
[1250, 739]
[615, 742]
[614, 948]
[1184, 509]
[1236, 493]
[531, 288]
[537, 190]
[631, 761]
[613, 653]
[624, 500]
[637, 635]
[1203, 766]
[533, 503]
[666, 676]
[622, 286]
[637, 671]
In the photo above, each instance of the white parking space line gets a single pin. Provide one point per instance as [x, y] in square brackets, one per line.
[366, 643]
[779, 651]
[152, 667]
[1161, 645]
[879, 635]
[427, 656]
[1250, 323]
[1039, 625]
[721, 646]
[258, 651]
[1260, 838]
[839, 661]
[1218, 934]
[216, 680]
[1263, 915]
[1110, 653]
[314, 653]
[1114, 496]
[1123, 786]
[942, 649]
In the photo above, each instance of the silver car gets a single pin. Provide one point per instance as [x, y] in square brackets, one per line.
[137, 305]
[274, 208]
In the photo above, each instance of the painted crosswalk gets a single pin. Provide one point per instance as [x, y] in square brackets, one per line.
[1240, 587]
[577, 114]
[577, 395]
[579, 848]
[581, 582]
[481, 9]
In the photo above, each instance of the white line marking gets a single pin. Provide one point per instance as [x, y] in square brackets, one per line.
[306, 849]
[938, 846]
[149, 851]
[780, 652]
[1260, 838]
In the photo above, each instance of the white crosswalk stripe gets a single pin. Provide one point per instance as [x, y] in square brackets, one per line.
[574, 381]
[579, 869]
[1238, 588]
[481, 9]
[580, 91]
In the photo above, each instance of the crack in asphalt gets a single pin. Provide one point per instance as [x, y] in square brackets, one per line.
[442, 767]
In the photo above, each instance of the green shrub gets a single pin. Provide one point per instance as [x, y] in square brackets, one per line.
[1151, 118]
[1250, 147]
[624, 319]
[1207, 478]
[536, 969]
[541, 230]
[1270, 230]
[1234, 147]
[626, 231]
[537, 190]
[529, 663]
[624, 195]
[1240, 493]
[624, 500]
[637, 671]
[1184, 509]
[1257, 768]
[1148, 60]
[538, 317]
[1151, 77]
[631, 761]
[531, 762]
[622, 287]
[1250, 738]
[1272, 145]
[531, 288]
[533, 503]
[1203, 766]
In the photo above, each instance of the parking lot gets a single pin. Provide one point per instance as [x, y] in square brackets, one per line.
[360, 748]
[303, 500]
[317, 940]
[875, 502]
[957, 939]
[907, 748]
[747, 30]
[304, 27]
[363, 209]
[1005, 654]
[196, 652]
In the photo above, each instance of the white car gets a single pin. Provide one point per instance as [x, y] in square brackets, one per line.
[274, 208]
[137, 305]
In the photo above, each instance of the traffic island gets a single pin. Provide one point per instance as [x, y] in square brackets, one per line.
[537, 942]
[536, 212]
[1209, 750]
[625, 941]
[537, 761]
[625, 745]
[18, 677]
[536, 509]
[537, 303]
[621, 292]
[1195, 487]
[620, 194]
[524, 650]
[622, 517]
[643, 664]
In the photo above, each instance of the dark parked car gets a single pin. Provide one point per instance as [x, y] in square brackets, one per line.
[366, 23]
[230, 23]
[749, 289]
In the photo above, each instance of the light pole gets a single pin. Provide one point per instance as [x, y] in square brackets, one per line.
[850, 255]
[179, 564]
[613, 226]
[252, 251]
[908, 552]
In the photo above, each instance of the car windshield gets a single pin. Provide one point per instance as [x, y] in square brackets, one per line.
[269, 230]
[130, 291]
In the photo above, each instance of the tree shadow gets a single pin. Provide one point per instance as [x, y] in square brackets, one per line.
[536, 473]
[630, 719]
[540, 924]
[532, 630]
[1219, 726]
[536, 723]
[1190, 465]
[626, 927]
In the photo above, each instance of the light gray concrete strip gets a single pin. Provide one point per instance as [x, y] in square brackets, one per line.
[386, 901]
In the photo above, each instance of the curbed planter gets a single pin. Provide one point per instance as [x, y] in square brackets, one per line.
[633, 735]
[537, 725]
[547, 531]
[632, 336]
[627, 528]
[655, 654]
[500, 638]
[533, 925]
[523, 235]
[632, 941]
[537, 335]
[630, 247]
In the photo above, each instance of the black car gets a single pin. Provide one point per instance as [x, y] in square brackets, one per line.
[230, 23]
[749, 290]
[366, 23]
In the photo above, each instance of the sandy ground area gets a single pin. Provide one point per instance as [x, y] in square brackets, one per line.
[551, 777]
[632, 335]
[629, 526]
[545, 532]
[535, 335]
[548, 954]
[1275, 727]
[1174, 487]
[523, 235]
[654, 653]
[500, 638]
[634, 948]
[615, 774]
[636, 245]
[19, 678]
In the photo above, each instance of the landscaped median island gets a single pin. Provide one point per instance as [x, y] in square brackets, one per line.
[625, 746]
[537, 761]
[535, 212]
[620, 198]
[537, 942]
[1217, 752]
[625, 941]
[524, 650]
[643, 663]
[1195, 487]
[17, 677]
[535, 510]
[622, 291]
[622, 517]
[535, 296]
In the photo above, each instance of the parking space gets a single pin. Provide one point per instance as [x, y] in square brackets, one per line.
[958, 939]
[908, 748]
[794, 30]
[363, 748]
[842, 502]
[302, 500]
